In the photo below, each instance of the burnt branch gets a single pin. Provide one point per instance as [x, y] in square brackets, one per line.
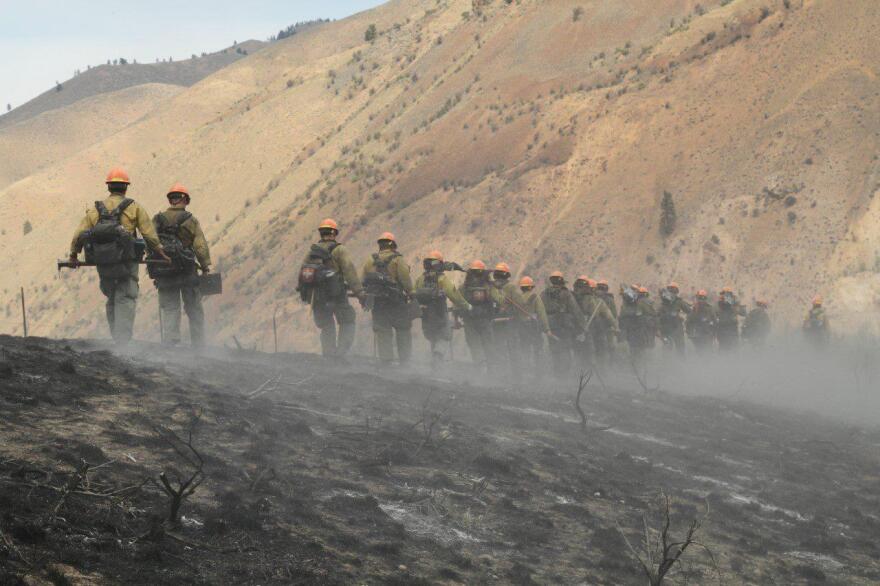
[660, 552]
[72, 484]
[184, 485]
[583, 381]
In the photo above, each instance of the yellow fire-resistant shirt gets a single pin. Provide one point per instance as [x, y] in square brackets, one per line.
[191, 235]
[134, 219]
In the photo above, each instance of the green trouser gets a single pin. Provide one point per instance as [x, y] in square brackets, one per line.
[478, 335]
[506, 339]
[391, 320]
[585, 351]
[326, 315]
[727, 336]
[602, 343]
[703, 344]
[531, 341]
[561, 347]
[119, 284]
[438, 332]
[673, 335]
[170, 294]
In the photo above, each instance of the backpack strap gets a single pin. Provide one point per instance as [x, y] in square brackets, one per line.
[122, 207]
[103, 212]
[181, 218]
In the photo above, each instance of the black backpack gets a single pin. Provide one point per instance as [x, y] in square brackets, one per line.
[316, 275]
[483, 306]
[107, 242]
[183, 258]
[379, 283]
[430, 293]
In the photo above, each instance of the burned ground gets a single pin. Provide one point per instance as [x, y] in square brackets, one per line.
[316, 474]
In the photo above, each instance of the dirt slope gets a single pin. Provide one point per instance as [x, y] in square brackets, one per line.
[324, 476]
[44, 140]
[519, 133]
[105, 79]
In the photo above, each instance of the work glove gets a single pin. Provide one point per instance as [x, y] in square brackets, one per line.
[206, 270]
[74, 261]
[165, 257]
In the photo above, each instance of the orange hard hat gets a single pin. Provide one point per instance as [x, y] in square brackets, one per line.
[387, 236]
[178, 188]
[329, 223]
[557, 274]
[727, 289]
[435, 255]
[526, 282]
[672, 285]
[602, 284]
[591, 283]
[817, 300]
[118, 175]
[502, 267]
[477, 265]
[583, 278]
[644, 290]
[702, 293]
[761, 303]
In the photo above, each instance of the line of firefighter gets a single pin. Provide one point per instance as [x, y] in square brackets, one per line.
[505, 322]
[178, 248]
[501, 320]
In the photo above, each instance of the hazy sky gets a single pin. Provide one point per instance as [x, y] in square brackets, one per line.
[42, 41]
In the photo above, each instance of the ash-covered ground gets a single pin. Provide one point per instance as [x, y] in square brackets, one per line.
[305, 472]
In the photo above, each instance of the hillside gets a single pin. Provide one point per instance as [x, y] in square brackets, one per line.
[316, 475]
[531, 132]
[104, 79]
[48, 138]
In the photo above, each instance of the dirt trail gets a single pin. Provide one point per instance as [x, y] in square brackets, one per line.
[345, 476]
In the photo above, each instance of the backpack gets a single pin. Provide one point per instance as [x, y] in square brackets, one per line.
[430, 295]
[316, 275]
[183, 258]
[478, 295]
[379, 284]
[554, 303]
[107, 242]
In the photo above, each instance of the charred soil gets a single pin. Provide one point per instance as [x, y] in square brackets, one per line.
[306, 471]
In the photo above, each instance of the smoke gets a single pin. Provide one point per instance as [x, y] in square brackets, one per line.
[840, 381]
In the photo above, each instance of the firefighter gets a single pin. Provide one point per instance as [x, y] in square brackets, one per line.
[506, 323]
[114, 252]
[757, 325]
[701, 323]
[186, 245]
[485, 299]
[728, 314]
[433, 289]
[673, 309]
[638, 320]
[605, 337]
[598, 318]
[531, 331]
[326, 276]
[389, 289]
[567, 322]
[816, 328]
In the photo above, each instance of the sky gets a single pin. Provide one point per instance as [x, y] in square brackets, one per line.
[44, 41]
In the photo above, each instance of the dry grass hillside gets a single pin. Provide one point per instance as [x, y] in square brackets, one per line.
[540, 133]
[111, 78]
[46, 139]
